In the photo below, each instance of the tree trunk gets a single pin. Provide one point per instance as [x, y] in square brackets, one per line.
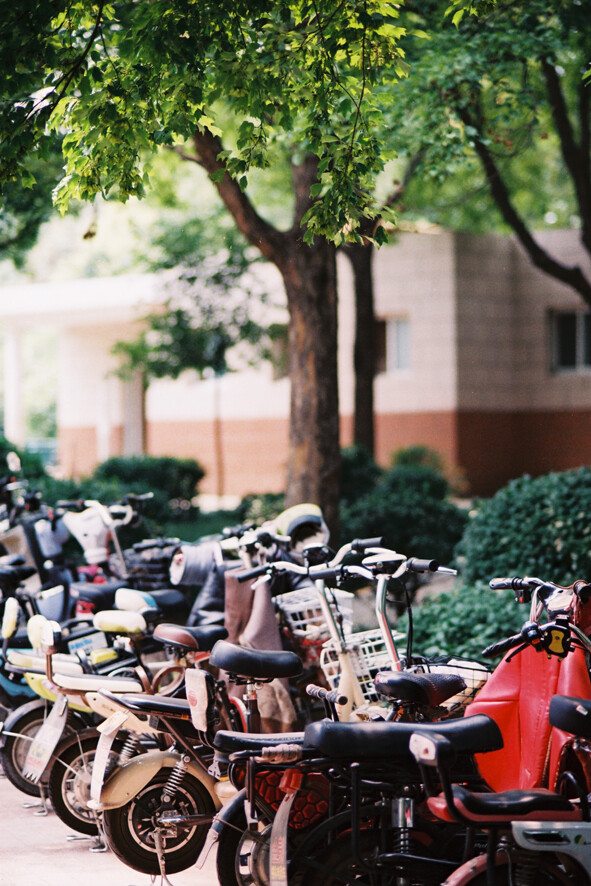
[314, 452]
[309, 276]
[364, 359]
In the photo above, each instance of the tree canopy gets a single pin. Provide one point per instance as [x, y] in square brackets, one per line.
[121, 79]
[503, 101]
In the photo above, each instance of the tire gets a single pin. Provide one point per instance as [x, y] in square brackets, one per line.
[324, 858]
[69, 784]
[16, 747]
[15, 750]
[243, 858]
[129, 830]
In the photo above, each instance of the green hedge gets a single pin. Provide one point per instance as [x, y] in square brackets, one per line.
[533, 526]
[464, 620]
[410, 507]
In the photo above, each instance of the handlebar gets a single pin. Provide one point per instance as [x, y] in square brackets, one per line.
[331, 695]
[380, 561]
[502, 646]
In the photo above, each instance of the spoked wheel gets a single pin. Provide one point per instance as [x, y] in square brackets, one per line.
[132, 831]
[16, 747]
[69, 784]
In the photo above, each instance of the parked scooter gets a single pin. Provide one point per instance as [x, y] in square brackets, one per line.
[130, 630]
[532, 835]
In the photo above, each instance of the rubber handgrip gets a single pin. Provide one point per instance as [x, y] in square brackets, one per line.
[502, 646]
[251, 573]
[360, 544]
[331, 695]
[415, 564]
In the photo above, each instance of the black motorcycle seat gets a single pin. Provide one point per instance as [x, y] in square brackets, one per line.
[100, 594]
[420, 689]
[255, 663]
[230, 742]
[511, 805]
[571, 714]
[371, 740]
[198, 639]
[14, 573]
[169, 599]
[156, 704]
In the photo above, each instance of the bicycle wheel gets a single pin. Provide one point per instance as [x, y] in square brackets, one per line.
[16, 747]
[243, 856]
[69, 784]
[131, 830]
[422, 858]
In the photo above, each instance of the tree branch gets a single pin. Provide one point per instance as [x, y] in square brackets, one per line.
[575, 156]
[257, 231]
[570, 275]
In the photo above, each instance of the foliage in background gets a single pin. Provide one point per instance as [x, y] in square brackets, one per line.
[32, 464]
[532, 526]
[176, 479]
[496, 112]
[210, 292]
[359, 473]
[464, 621]
[25, 208]
[408, 504]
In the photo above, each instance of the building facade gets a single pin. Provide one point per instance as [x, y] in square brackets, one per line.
[482, 358]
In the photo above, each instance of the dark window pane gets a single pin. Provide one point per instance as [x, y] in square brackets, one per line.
[566, 341]
[380, 345]
[587, 340]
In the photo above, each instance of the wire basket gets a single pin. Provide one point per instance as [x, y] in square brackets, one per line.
[302, 619]
[368, 655]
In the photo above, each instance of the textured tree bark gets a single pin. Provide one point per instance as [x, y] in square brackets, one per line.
[361, 257]
[309, 276]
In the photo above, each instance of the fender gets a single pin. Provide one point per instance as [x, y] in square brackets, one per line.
[130, 778]
[474, 866]
[224, 818]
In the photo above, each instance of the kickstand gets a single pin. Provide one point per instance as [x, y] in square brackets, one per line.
[158, 842]
[100, 844]
[41, 807]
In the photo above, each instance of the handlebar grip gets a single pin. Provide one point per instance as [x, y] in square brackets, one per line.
[251, 573]
[331, 695]
[360, 544]
[513, 584]
[502, 646]
[415, 564]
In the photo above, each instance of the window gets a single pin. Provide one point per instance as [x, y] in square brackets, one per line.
[571, 340]
[392, 344]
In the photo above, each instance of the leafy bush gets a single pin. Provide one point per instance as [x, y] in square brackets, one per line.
[359, 473]
[408, 507]
[259, 508]
[418, 456]
[32, 464]
[173, 481]
[464, 620]
[535, 526]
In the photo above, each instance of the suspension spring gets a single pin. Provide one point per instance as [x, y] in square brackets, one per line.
[129, 748]
[403, 821]
[525, 870]
[175, 780]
